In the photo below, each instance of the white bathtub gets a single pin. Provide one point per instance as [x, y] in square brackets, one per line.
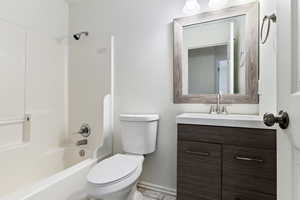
[59, 181]
[60, 173]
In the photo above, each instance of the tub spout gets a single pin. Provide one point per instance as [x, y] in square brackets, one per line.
[82, 142]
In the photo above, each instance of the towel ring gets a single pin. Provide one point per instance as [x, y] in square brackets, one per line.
[269, 18]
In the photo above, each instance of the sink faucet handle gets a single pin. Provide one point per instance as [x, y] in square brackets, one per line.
[219, 97]
[212, 109]
[224, 109]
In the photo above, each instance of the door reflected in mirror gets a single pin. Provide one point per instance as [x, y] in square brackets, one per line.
[214, 57]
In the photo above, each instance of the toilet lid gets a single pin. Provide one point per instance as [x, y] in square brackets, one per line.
[113, 169]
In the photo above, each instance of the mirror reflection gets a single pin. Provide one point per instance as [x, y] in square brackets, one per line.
[214, 57]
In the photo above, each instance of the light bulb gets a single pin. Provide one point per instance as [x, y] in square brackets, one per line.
[217, 4]
[191, 7]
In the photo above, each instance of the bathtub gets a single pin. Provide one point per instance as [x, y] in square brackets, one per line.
[63, 171]
[62, 179]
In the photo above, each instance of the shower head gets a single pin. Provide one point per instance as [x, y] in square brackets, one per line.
[78, 35]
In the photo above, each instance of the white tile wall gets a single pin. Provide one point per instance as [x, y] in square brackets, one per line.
[29, 32]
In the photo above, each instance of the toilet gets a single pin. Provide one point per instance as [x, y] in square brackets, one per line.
[116, 177]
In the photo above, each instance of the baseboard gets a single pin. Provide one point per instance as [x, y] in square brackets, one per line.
[157, 188]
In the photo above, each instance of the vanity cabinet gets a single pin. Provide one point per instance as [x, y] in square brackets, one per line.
[226, 163]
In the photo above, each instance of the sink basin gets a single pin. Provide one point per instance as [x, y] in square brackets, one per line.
[244, 121]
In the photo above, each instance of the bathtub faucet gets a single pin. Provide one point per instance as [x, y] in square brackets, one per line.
[85, 130]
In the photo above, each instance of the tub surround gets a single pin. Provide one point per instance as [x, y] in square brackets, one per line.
[30, 40]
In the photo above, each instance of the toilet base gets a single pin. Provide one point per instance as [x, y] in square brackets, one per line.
[133, 194]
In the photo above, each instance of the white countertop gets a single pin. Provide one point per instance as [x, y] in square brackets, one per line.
[244, 121]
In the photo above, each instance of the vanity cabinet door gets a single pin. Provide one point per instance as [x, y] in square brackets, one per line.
[245, 195]
[249, 169]
[200, 171]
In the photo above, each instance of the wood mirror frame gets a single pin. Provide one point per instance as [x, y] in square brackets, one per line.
[251, 12]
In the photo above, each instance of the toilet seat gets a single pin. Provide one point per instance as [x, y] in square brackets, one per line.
[113, 169]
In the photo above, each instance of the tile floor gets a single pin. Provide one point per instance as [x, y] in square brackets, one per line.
[147, 195]
[152, 195]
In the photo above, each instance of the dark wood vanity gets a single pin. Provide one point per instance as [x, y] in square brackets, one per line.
[226, 163]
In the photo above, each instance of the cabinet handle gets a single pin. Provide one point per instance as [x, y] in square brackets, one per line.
[244, 158]
[197, 153]
[237, 198]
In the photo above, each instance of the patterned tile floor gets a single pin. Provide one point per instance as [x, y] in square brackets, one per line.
[152, 195]
[147, 195]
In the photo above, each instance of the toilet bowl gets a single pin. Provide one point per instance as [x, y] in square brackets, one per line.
[115, 178]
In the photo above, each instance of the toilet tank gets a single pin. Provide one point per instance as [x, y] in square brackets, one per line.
[139, 133]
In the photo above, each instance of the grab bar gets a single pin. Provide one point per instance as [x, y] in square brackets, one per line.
[27, 118]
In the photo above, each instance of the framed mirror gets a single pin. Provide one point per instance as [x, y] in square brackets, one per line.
[217, 53]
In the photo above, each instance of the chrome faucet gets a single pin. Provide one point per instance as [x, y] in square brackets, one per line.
[82, 142]
[218, 108]
[85, 132]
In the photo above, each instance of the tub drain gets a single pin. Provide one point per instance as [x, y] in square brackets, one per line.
[82, 153]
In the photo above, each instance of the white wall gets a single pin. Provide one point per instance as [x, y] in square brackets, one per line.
[143, 65]
[43, 24]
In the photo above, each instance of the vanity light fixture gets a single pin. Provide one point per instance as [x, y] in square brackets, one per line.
[191, 7]
[217, 4]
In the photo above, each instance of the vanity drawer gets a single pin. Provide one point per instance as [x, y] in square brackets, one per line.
[247, 137]
[200, 171]
[211, 153]
[249, 168]
[245, 195]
